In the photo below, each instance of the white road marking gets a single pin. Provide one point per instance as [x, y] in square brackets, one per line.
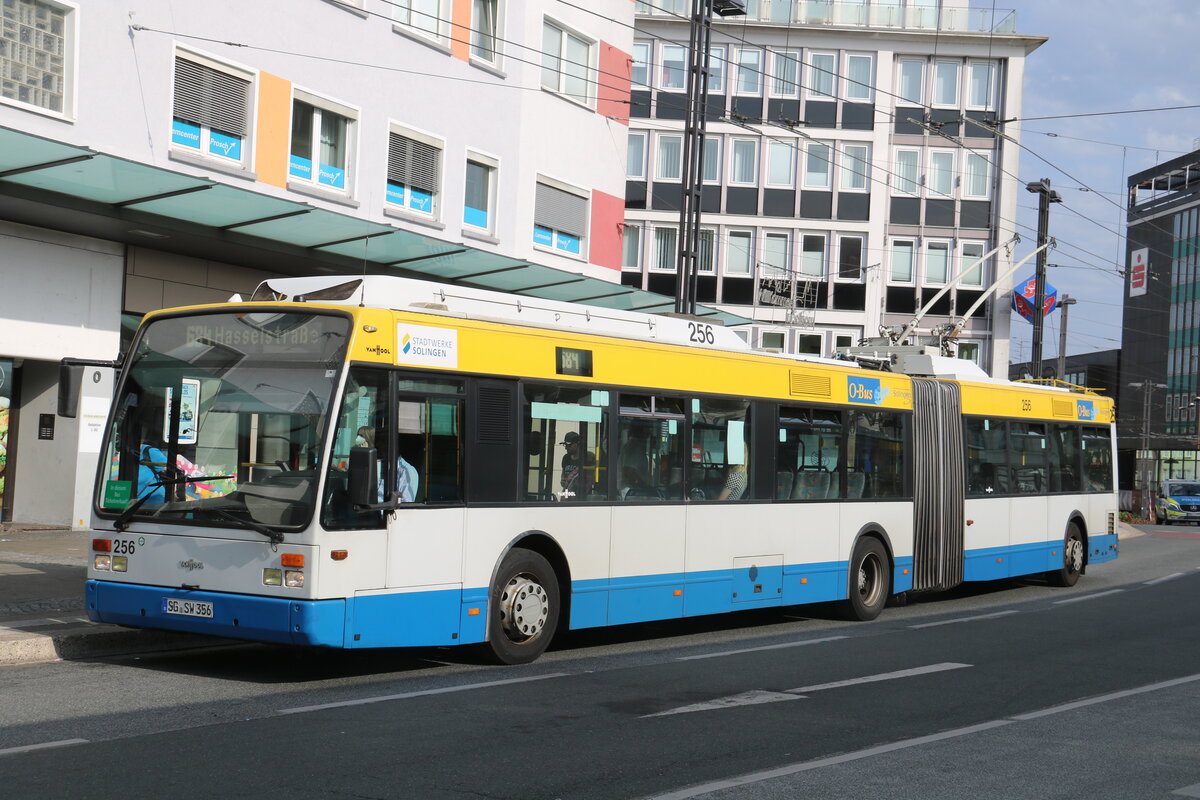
[1165, 578]
[961, 619]
[43, 746]
[883, 676]
[804, 766]
[759, 649]
[1087, 597]
[362, 701]
[1104, 698]
[754, 697]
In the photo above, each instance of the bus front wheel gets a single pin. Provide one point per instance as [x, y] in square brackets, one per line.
[524, 607]
[1072, 566]
[870, 581]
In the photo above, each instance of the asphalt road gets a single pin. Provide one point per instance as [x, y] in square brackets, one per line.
[1008, 690]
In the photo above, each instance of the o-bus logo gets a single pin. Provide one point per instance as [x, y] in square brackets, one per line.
[1085, 409]
[865, 390]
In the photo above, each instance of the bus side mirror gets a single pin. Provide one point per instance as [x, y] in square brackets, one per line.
[69, 378]
[363, 483]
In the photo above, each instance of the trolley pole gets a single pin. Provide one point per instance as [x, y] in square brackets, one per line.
[1046, 196]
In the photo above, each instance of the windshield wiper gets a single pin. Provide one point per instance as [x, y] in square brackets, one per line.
[122, 521]
[275, 536]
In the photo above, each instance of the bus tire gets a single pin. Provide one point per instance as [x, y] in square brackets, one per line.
[870, 581]
[1073, 561]
[524, 607]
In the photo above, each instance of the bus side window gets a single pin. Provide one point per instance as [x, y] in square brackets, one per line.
[429, 446]
[361, 422]
[566, 444]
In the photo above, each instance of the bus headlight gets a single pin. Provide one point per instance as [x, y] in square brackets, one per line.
[293, 578]
[120, 563]
[272, 577]
[100, 561]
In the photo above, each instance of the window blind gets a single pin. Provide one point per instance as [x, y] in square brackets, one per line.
[560, 211]
[207, 96]
[414, 164]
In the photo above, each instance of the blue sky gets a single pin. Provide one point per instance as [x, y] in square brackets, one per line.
[1102, 55]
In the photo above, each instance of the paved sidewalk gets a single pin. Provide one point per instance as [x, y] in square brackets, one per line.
[42, 613]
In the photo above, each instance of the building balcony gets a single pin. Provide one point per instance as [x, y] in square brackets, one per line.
[916, 15]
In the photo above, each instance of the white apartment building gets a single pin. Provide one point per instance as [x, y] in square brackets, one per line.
[848, 168]
[155, 154]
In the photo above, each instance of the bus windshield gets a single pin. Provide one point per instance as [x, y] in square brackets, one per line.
[221, 417]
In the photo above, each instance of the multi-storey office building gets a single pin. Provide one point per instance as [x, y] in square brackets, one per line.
[156, 154]
[1159, 427]
[850, 163]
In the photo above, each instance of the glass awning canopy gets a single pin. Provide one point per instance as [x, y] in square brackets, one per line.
[84, 174]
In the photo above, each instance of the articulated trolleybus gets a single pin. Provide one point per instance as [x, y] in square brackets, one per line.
[382, 462]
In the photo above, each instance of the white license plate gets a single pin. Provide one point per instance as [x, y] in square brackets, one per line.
[187, 608]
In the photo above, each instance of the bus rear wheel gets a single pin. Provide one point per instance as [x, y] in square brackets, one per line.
[870, 581]
[524, 607]
[1072, 566]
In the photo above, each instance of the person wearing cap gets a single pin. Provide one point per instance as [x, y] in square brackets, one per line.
[573, 462]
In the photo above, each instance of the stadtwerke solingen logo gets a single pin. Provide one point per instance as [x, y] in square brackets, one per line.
[426, 346]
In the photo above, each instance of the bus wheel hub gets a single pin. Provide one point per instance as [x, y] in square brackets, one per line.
[524, 608]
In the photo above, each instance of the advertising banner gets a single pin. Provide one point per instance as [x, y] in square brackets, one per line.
[6, 386]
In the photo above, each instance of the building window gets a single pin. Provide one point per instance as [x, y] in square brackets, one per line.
[479, 192]
[705, 250]
[945, 83]
[668, 164]
[941, 172]
[743, 167]
[812, 256]
[674, 67]
[631, 247]
[414, 178]
[639, 74]
[859, 78]
[775, 260]
[911, 86]
[560, 218]
[566, 63]
[821, 72]
[817, 166]
[749, 71]
[716, 70]
[850, 256]
[937, 262]
[781, 164]
[423, 17]
[666, 249]
[908, 170]
[739, 247]
[785, 74]
[902, 260]
[36, 53]
[711, 168]
[969, 351]
[856, 159]
[212, 110]
[635, 155]
[972, 264]
[321, 137]
[982, 88]
[976, 177]
[485, 25]
[809, 344]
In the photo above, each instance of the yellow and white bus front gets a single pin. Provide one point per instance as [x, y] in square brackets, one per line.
[208, 484]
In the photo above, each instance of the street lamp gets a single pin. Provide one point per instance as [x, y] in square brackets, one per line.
[692, 187]
[1064, 303]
